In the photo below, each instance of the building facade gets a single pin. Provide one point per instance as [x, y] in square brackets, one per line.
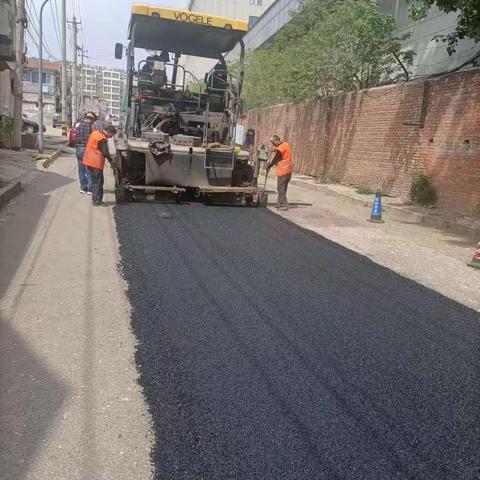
[431, 55]
[52, 74]
[247, 10]
[8, 12]
[103, 89]
[274, 18]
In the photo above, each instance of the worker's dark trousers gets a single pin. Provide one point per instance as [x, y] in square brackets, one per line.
[96, 176]
[282, 185]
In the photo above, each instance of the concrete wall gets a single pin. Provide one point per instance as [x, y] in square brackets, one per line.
[432, 56]
[31, 110]
[237, 9]
[8, 13]
[379, 138]
[274, 18]
[6, 93]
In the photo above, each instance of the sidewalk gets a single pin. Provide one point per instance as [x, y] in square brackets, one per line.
[395, 208]
[406, 243]
[19, 168]
[70, 403]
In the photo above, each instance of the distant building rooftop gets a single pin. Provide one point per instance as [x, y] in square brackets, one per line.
[34, 63]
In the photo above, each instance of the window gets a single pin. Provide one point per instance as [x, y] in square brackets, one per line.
[32, 76]
[256, 2]
[252, 21]
[48, 78]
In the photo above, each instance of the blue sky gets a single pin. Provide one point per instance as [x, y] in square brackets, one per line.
[104, 22]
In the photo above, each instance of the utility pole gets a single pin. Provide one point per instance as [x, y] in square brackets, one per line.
[74, 24]
[94, 82]
[82, 80]
[40, 78]
[64, 68]
[18, 82]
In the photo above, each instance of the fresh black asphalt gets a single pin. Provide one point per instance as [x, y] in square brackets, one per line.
[268, 352]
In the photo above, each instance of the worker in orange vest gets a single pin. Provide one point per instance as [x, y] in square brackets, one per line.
[94, 159]
[282, 161]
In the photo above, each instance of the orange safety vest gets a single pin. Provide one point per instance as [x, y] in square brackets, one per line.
[285, 165]
[93, 156]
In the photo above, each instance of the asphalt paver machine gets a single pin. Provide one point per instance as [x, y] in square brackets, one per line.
[180, 132]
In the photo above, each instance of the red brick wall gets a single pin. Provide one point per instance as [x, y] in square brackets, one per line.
[379, 138]
[450, 140]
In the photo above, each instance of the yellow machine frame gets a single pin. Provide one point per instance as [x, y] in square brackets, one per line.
[188, 16]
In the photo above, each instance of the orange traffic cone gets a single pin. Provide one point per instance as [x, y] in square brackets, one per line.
[475, 263]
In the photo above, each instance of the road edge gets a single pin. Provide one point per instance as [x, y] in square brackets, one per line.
[8, 192]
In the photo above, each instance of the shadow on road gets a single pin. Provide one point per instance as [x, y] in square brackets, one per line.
[19, 222]
[30, 398]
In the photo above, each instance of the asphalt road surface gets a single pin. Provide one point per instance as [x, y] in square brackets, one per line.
[268, 352]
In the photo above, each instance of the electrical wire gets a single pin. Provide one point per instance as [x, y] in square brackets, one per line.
[34, 21]
[472, 60]
[80, 19]
[33, 39]
[56, 25]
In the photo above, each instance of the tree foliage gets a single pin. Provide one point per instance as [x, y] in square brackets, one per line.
[329, 46]
[468, 23]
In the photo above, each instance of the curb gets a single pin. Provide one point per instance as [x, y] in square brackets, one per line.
[398, 213]
[8, 192]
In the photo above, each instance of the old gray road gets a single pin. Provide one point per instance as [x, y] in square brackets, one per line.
[70, 406]
[267, 352]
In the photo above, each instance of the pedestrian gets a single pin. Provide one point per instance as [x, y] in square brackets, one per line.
[94, 159]
[282, 162]
[83, 133]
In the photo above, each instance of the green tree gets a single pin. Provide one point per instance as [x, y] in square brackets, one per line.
[468, 24]
[328, 47]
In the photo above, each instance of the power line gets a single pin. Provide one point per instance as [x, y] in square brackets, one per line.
[33, 20]
[55, 26]
[33, 39]
[80, 19]
[46, 45]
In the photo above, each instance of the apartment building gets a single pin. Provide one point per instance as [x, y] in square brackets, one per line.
[103, 89]
[52, 73]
